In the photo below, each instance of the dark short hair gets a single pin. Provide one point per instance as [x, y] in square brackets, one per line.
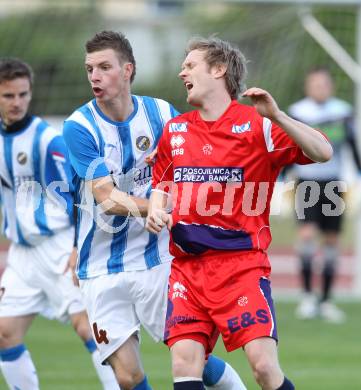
[222, 52]
[116, 41]
[13, 68]
[319, 69]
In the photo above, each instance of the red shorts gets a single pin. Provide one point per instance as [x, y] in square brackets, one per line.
[215, 295]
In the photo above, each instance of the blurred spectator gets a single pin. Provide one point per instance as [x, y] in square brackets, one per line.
[319, 185]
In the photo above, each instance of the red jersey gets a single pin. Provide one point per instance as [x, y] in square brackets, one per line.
[223, 179]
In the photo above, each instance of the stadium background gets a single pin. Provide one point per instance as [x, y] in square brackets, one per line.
[50, 35]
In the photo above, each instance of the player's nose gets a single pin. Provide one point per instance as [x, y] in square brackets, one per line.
[181, 74]
[95, 75]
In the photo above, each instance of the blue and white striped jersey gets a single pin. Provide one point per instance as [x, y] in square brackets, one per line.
[99, 147]
[36, 189]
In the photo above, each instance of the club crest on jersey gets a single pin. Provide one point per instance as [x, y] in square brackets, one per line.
[207, 149]
[178, 127]
[242, 301]
[22, 158]
[237, 129]
[142, 143]
[176, 141]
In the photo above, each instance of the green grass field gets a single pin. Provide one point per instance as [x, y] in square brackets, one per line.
[316, 355]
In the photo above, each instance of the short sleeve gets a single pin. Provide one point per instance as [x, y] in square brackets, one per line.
[281, 148]
[84, 153]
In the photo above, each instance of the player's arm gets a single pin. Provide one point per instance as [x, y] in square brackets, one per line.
[312, 142]
[114, 201]
[89, 166]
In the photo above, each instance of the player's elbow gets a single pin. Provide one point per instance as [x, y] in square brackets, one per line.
[325, 152]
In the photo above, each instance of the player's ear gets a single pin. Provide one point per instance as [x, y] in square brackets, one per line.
[219, 70]
[128, 70]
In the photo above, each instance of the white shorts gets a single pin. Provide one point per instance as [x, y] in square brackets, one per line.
[33, 281]
[120, 303]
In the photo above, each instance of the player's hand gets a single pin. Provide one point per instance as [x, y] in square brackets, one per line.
[150, 160]
[263, 102]
[157, 219]
[72, 265]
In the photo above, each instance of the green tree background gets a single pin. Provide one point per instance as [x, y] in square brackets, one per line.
[279, 51]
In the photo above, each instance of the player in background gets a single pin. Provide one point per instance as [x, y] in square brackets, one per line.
[333, 116]
[37, 209]
[123, 270]
[220, 163]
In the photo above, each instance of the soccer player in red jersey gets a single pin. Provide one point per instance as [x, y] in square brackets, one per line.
[219, 163]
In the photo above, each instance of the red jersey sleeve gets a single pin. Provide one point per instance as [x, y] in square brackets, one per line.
[281, 148]
[163, 167]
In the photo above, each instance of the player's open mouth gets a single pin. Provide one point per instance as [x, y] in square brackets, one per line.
[97, 90]
[188, 85]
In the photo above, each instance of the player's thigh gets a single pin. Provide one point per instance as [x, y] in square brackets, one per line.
[246, 311]
[110, 311]
[150, 298]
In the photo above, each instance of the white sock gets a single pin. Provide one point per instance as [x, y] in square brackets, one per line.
[20, 373]
[230, 380]
[105, 373]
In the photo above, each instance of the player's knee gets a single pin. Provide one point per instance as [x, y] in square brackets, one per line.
[7, 337]
[186, 365]
[307, 249]
[129, 379]
[264, 370]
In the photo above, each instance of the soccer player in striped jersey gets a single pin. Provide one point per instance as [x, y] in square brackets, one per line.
[123, 270]
[37, 209]
[219, 163]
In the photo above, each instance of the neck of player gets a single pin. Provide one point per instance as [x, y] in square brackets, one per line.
[117, 109]
[214, 106]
